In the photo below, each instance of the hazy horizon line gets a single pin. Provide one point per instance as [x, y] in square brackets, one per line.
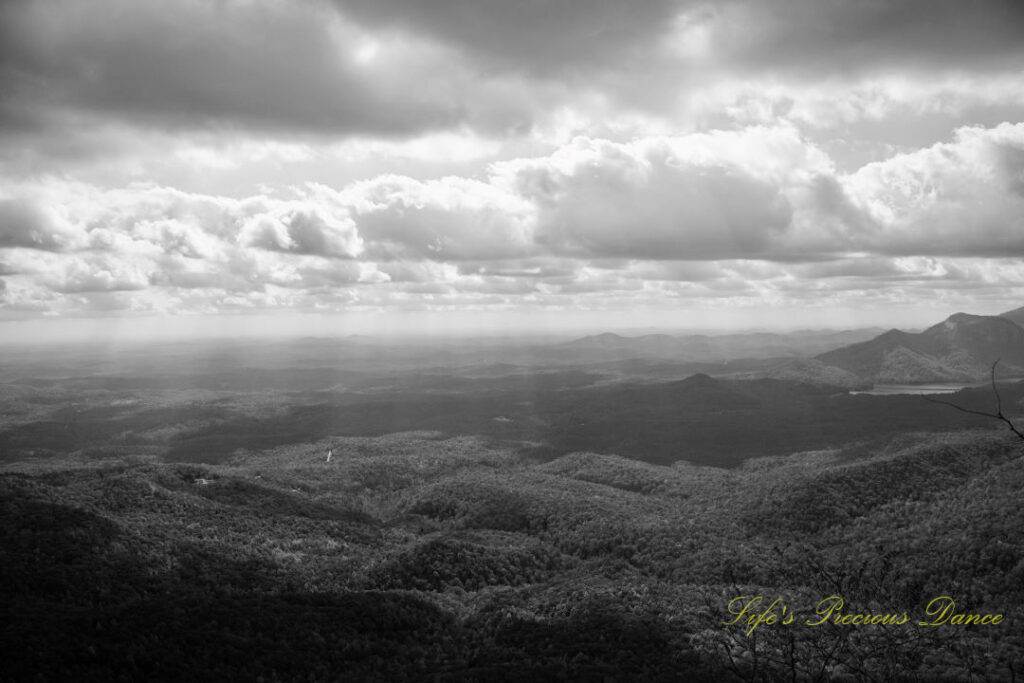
[293, 327]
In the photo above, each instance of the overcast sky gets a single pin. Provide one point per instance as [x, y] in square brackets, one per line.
[527, 164]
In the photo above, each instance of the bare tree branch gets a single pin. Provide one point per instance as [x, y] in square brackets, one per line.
[995, 390]
[998, 415]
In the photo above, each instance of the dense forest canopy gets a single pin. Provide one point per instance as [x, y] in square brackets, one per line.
[416, 555]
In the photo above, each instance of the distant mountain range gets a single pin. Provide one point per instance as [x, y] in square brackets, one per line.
[962, 348]
[708, 348]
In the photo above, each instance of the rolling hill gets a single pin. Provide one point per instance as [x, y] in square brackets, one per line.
[809, 371]
[413, 558]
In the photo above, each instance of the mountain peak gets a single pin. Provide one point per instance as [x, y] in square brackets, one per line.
[970, 319]
[699, 380]
[961, 348]
[962, 321]
[603, 338]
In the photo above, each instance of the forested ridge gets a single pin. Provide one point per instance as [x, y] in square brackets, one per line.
[417, 557]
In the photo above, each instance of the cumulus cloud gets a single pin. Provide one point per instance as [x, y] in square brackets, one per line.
[958, 198]
[25, 224]
[732, 216]
[447, 219]
[303, 230]
[609, 200]
[174, 236]
[101, 273]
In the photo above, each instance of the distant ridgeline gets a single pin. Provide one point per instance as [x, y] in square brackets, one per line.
[960, 349]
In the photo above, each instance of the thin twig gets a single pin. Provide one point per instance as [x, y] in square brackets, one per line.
[995, 390]
[998, 415]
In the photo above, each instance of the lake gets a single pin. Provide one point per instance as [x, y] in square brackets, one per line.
[943, 388]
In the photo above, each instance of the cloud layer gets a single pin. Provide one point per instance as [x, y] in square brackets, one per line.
[697, 216]
[394, 68]
[335, 155]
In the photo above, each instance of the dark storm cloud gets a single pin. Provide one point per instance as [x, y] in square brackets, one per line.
[841, 36]
[268, 65]
[536, 35]
[295, 66]
[581, 36]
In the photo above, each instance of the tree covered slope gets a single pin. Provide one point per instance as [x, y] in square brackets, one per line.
[418, 557]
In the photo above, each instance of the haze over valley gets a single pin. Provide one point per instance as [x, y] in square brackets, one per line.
[658, 398]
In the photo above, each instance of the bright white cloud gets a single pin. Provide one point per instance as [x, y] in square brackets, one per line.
[965, 197]
[720, 215]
